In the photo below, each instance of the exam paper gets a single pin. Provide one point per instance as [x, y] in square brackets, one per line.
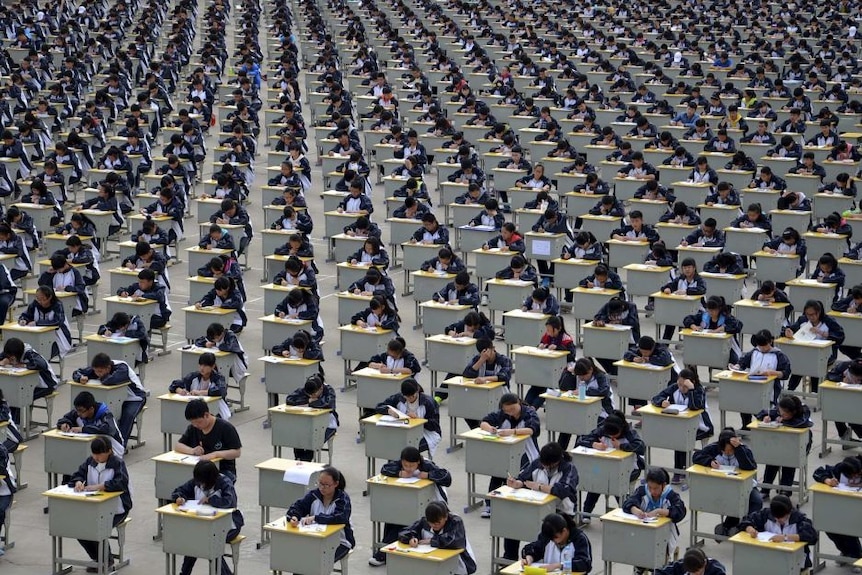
[74, 434]
[765, 536]
[678, 406]
[633, 517]
[299, 474]
[66, 490]
[407, 480]
[198, 508]
[313, 528]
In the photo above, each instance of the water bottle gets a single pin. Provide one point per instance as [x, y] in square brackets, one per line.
[582, 390]
[567, 560]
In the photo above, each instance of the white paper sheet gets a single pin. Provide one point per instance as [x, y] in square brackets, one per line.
[299, 474]
[66, 490]
[407, 480]
[541, 247]
[313, 528]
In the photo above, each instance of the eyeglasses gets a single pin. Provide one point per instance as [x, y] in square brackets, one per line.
[326, 485]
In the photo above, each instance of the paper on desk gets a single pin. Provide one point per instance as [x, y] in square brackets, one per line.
[75, 434]
[678, 406]
[198, 508]
[190, 459]
[313, 528]
[587, 450]
[726, 469]
[848, 488]
[765, 536]
[806, 332]
[298, 408]
[66, 490]
[407, 480]
[12, 369]
[850, 385]
[632, 517]
[524, 494]
[299, 474]
[423, 549]
[121, 338]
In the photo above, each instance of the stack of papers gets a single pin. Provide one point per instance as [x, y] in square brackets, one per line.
[765, 536]
[678, 406]
[631, 517]
[66, 490]
[198, 508]
[587, 450]
[313, 528]
[848, 488]
[75, 434]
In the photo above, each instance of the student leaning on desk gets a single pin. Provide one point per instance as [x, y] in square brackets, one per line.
[329, 504]
[209, 487]
[103, 471]
[784, 522]
[561, 546]
[209, 437]
[442, 529]
[845, 474]
[91, 416]
[694, 562]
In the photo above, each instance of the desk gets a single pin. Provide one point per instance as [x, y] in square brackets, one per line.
[143, 308]
[274, 239]
[78, 517]
[761, 315]
[347, 273]
[728, 286]
[447, 354]
[335, 221]
[64, 453]
[722, 214]
[745, 241]
[469, 238]
[373, 387]
[438, 562]
[111, 395]
[796, 219]
[200, 257]
[538, 367]
[646, 544]
[609, 472]
[349, 305]
[800, 290]
[565, 413]
[173, 414]
[515, 513]
[490, 261]
[506, 295]
[272, 294]
[17, 387]
[299, 427]
[569, 273]
[283, 375]
[652, 210]
[489, 455]
[622, 253]
[835, 511]
[852, 271]
[610, 341]
[198, 320]
[415, 254]
[275, 491]
[385, 440]
[783, 446]
[825, 204]
[640, 380]
[644, 279]
[342, 246]
[396, 503]
[586, 302]
[193, 535]
[809, 358]
[766, 558]
[126, 349]
[676, 432]
[838, 402]
[544, 246]
[121, 278]
[601, 226]
[671, 309]
[819, 244]
[276, 329]
[437, 316]
[470, 400]
[851, 324]
[776, 267]
[359, 344]
[716, 492]
[39, 337]
[400, 232]
[706, 349]
[524, 327]
[700, 254]
[738, 393]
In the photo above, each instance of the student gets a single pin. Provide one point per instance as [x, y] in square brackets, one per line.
[815, 320]
[64, 278]
[328, 504]
[132, 327]
[91, 416]
[514, 417]
[716, 318]
[209, 437]
[555, 338]
[372, 253]
[618, 311]
[317, 394]
[218, 238]
[444, 262]
[518, 269]
[729, 450]
[396, 359]
[378, 313]
[299, 345]
[585, 247]
[11, 437]
[18, 354]
[690, 392]
[47, 310]
[790, 412]
[442, 529]
[475, 325]
[596, 382]
[8, 485]
[542, 301]
[146, 288]
[461, 291]
[416, 404]
[828, 272]
[613, 433]
[77, 253]
[509, 240]
[764, 359]
[846, 473]
[12, 243]
[225, 295]
[8, 291]
[847, 372]
[112, 372]
[206, 381]
[431, 232]
[221, 339]
[552, 473]
[146, 257]
[769, 293]
[375, 283]
[210, 487]
[693, 562]
[688, 282]
[560, 546]
[658, 499]
[297, 273]
[104, 472]
[785, 522]
[410, 464]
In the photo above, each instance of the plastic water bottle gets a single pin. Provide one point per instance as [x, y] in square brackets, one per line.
[567, 561]
[582, 390]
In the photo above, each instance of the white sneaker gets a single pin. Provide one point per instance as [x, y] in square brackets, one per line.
[375, 562]
[486, 512]
[485, 299]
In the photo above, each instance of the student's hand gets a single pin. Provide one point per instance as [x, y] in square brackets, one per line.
[751, 531]
[636, 511]
[788, 333]
[767, 419]
[76, 429]
[665, 403]
[777, 538]
[598, 322]
[130, 266]
[180, 501]
[198, 305]
[831, 482]
[22, 322]
[512, 482]
[505, 432]
[64, 427]
[714, 464]
[294, 522]
[361, 323]
[181, 391]
[413, 542]
[735, 442]
[124, 294]
[528, 560]
[665, 291]
[204, 456]
[480, 380]
[615, 443]
[638, 359]
[281, 315]
[79, 486]
[599, 445]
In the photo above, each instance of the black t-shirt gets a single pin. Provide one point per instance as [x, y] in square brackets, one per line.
[222, 436]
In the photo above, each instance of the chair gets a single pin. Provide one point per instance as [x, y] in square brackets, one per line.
[119, 557]
[235, 544]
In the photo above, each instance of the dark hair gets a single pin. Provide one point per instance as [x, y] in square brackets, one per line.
[410, 387]
[313, 384]
[205, 474]
[552, 454]
[657, 475]
[100, 445]
[411, 454]
[762, 337]
[335, 475]
[196, 409]
[646, 342]
[780, 506]
[101, 360]
[792, 404]
[508, 399]
[85, 400]
[615, 424]
[14, 347]
[554, 523]
[694, 559]
[207, 358]
[436, 511]
[214, 329]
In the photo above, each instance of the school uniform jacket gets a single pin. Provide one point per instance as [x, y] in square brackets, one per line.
[233, 301]
[136, 330]
[467, 296]
[102, 423]
[120, 373]
[694, 399]
[338, 512]
[713, 567]
[452, 536]
[156, 292]
[222, 496]
[529, 419]
[544, 550]
[217, 386]
[441, 477]
[326, 401]
[88, 474]
[431, 413]
[563, 482]
[742, 457]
